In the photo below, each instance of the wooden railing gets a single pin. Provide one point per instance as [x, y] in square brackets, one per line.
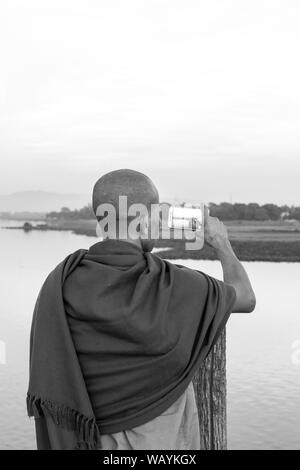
[210, 390]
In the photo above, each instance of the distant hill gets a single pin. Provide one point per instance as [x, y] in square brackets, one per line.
[41, 201]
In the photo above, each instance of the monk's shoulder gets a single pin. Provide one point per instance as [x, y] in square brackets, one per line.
[181, 272]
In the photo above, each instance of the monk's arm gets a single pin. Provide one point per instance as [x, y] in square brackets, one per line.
[233, 271]
[235, 274]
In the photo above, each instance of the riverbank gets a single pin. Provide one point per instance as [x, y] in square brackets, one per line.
[251, 240]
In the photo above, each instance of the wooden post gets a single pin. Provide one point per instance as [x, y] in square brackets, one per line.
[210, 390]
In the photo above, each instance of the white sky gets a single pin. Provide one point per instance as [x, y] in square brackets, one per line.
[203, 96]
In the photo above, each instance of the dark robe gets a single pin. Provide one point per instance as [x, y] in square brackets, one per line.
[116, 338]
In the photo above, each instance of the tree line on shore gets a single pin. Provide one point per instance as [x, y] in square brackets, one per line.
[224, 211]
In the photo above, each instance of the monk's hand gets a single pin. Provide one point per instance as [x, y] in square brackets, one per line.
[215, 232]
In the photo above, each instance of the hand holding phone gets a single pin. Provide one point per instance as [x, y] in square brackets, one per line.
[215, 232]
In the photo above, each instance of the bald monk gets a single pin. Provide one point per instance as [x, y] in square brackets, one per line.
[118, 333]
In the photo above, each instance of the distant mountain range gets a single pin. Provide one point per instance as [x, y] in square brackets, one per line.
[41, 201]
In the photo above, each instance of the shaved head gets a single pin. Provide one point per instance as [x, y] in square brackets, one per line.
[137, 187]
[138, 190]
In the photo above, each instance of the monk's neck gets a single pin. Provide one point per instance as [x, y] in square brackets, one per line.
[136, 242]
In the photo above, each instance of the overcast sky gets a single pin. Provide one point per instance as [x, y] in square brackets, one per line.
[203, 96]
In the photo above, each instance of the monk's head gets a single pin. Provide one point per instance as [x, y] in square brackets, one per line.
[132, 195]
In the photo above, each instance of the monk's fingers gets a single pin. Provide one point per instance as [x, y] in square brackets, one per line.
[206, 215]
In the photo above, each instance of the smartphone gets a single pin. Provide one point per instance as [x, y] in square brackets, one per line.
[188, 219]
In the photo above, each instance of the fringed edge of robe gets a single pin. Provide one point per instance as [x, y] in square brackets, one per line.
[85, 428]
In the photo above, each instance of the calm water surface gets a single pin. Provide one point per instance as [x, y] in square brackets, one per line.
[263, 380]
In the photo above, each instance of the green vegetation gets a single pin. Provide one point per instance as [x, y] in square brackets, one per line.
[66, 214]
[254, 250]
[257, 233]
[262, 233]
[224, 211]
[253, 211]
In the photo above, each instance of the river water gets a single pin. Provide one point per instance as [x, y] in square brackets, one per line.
[263, 348]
